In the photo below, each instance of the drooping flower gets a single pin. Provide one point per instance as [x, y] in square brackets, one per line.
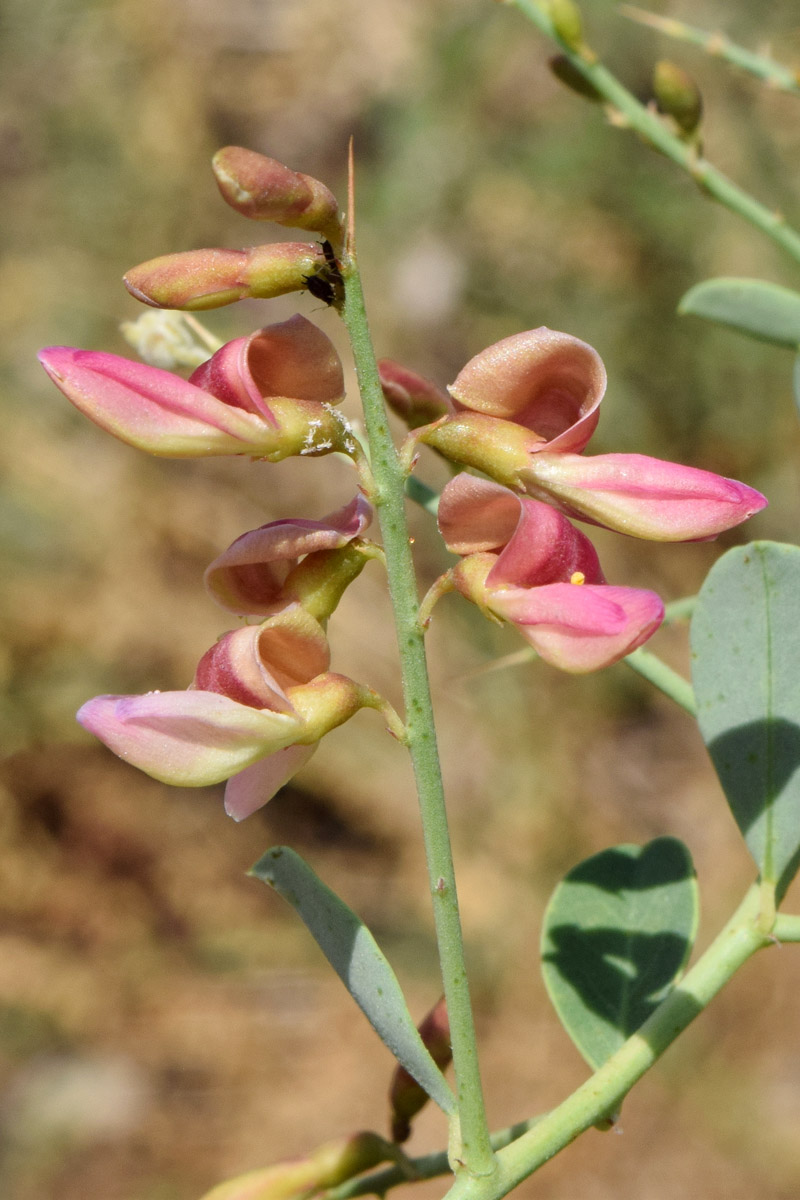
[524, 562]
[291, 560]
[260, 701]
[527, 408]
[269, 395]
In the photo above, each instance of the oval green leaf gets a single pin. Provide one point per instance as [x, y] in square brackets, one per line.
[762, 310]
[359, 962]
[745, 639]
[617, 934]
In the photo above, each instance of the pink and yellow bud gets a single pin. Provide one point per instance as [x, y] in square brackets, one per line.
[643, 497]
[195, 280]
[291, 560]
[265, 190]
[406, 1097]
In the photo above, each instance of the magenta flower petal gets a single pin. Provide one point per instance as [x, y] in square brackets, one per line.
[543, 380]
[580, 628]
[641, 496]
[151, 408]
[253, 787]
[190, 738]
[248, 577]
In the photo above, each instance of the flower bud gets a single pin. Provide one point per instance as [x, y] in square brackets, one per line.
[201, 279]
[415, 399]
[406, 1097]
[329, 1165]
[678, 95]
[567, 22]
[265, 190]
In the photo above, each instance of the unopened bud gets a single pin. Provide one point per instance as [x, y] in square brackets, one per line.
[678, 95]
[415, 399]
[265, 190]
[572, 78]
[406, 1097]
[200, 279]
[567, 22]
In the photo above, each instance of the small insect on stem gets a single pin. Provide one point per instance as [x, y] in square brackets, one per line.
[327, 284]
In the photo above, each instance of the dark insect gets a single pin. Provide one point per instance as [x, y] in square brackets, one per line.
[326, 284]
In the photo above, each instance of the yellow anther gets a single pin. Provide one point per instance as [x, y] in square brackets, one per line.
[577, 577]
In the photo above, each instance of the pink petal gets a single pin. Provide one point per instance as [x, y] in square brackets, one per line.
[255, 665]
[292, 359]
[248, 577]
[151, 408]
[253, 787]
[546, 381]
[537, 544]
[190, 738]
[641, 496]
[581, 628]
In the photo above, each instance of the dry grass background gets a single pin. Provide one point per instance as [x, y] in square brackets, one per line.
[163, 1020]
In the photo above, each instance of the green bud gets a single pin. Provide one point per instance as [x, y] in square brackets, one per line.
[567, 22]
[678, 95]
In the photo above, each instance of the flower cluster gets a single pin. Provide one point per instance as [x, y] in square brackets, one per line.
[521, 412]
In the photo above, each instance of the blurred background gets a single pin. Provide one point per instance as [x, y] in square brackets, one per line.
[164, 1021]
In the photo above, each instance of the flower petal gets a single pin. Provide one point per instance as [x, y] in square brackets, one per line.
[641, 496]
[190, 738]
[248, 577]
[250, 789]
[292, 359]
[547, 381]
[151, 408]
[580, 628]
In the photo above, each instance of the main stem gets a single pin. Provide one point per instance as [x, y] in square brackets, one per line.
[475, 1151]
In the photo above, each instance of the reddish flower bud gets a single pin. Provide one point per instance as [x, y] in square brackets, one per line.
[265, 190]
[200, 279]
[415, 399]
[406, 1097]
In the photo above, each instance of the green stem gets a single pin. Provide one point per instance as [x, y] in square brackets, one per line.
[650, 126]
[651, 667]
[717, 45]
[603, 1093]
[523, 1148]
[474, 1151]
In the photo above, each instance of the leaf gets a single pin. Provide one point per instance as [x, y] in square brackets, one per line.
[745, 639]
[753, 306]
[617, 934]
[359, 962]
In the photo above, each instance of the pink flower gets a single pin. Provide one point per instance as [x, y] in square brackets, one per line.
[525, 563]
[262, 570]
[268, 395]
[261, 699]
[528, 406]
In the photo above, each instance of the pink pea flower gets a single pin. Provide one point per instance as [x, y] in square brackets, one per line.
[261, 699]
[527, 408]
[525, 563]
[261, 570]
[268, 395]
